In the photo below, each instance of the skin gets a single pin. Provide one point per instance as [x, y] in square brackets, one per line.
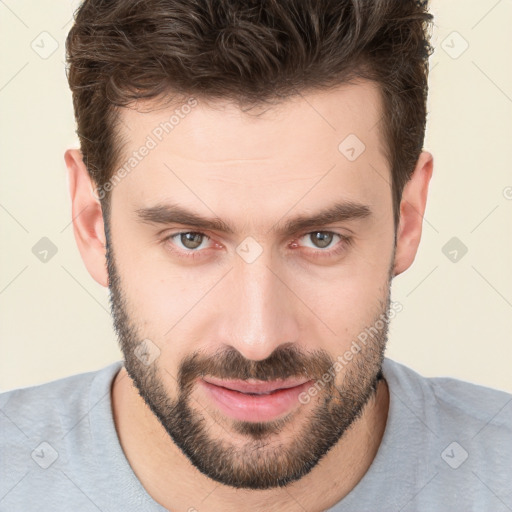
[253, 173]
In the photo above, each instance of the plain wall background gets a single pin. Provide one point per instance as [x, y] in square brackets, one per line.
[457, 316]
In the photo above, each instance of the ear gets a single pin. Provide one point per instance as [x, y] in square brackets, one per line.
[412, 209]
[87, 217]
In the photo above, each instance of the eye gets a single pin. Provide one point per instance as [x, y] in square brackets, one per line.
[320, 239]
[190, 240]
[321, 243]
[324, 243]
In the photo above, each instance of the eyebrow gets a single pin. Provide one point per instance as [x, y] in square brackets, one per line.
[176, 214]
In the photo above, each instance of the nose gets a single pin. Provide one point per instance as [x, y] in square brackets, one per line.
[260, 311]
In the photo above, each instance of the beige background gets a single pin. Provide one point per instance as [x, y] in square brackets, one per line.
[457, 316]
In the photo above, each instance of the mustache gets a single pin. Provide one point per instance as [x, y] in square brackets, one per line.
[286, 361]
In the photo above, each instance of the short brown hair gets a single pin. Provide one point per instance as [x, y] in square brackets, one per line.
[250, 52]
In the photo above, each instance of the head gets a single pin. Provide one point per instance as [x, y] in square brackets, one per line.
[255, 173]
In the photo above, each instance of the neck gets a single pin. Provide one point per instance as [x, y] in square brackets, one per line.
[171, 480]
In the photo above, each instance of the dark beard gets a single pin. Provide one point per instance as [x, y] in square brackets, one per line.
[262, 462]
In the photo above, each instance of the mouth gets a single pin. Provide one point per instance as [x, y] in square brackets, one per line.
[253, 386]
[253, 400]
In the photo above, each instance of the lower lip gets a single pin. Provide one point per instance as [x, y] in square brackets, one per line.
[244, 407]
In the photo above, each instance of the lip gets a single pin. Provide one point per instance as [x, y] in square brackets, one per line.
[281, 397]
[253, 385]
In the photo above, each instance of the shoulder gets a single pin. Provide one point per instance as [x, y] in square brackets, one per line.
[446, 403]
[54, 404]
[458, 434]
[59, 443]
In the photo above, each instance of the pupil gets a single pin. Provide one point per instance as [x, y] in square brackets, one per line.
[322, 239]
[191, 240]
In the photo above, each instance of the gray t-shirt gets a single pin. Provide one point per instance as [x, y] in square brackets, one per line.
[447, 446]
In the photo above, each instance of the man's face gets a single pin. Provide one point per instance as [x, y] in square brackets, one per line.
[263, 300]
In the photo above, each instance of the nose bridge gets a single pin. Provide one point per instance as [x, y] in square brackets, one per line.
[259, 314]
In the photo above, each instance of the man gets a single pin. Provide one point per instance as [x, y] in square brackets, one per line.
[250, 180]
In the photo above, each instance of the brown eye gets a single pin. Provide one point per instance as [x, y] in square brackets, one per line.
[321, 239]
[324, 244]
[191, 240]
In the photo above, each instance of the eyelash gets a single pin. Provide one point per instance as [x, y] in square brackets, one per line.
[345, 241]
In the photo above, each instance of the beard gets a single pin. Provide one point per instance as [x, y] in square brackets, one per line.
[263, 461]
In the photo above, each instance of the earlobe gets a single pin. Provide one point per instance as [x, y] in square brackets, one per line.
[87, 216]
[412, 210]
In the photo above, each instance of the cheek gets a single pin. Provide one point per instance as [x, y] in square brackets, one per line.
[350, 294]
[169, 304]
[349, 306]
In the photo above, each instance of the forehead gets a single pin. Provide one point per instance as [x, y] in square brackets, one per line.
[213, 150]
[218, 127]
